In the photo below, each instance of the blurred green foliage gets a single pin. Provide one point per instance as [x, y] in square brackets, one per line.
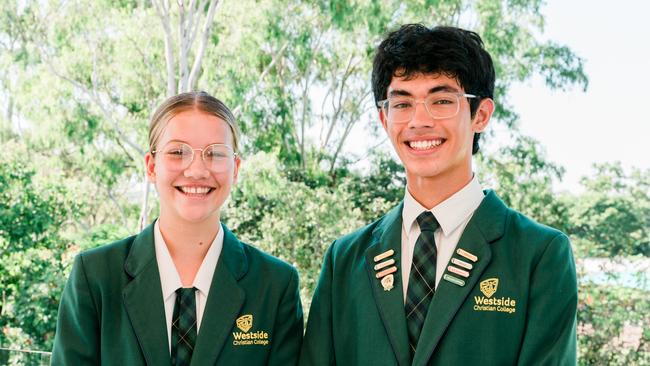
[79, 79]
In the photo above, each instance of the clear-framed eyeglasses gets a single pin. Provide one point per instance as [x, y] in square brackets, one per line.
[178, 156]
[401, 109]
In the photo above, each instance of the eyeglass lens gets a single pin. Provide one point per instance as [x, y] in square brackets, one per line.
[179, 156]
[439, 105]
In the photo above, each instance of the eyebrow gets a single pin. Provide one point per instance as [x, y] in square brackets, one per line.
[439, 88]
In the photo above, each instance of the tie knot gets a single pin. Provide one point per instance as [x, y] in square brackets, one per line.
[427, 221]
[184, 292]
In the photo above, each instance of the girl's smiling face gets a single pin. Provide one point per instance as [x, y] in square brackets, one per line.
[194, 194]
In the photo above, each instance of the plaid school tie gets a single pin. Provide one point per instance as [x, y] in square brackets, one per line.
[422, 279]
[183, 326]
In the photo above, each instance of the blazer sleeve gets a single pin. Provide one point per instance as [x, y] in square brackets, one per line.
[76, 341]
[318, 345]
[289, 326]
[550, 336]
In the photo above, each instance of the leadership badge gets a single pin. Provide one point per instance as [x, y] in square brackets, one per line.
[387, 282]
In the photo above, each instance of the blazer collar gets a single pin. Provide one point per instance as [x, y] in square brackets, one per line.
[143, 299]
[144, 303]
[224, 301]
[486, 226]
[387, 235]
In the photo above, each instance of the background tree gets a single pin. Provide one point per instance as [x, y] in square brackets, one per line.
[612, 216]
[79, 80]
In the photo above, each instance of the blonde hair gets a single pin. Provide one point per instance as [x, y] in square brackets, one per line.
[198, 100]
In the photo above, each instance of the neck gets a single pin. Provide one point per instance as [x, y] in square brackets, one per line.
[188, 241]
[431, 191]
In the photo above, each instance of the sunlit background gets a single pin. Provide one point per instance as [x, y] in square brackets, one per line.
[80, 78]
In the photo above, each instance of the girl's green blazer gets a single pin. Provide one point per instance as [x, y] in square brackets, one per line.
[112, 312]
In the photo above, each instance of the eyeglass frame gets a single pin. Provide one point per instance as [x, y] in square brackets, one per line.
[234, 154]
[381, 103]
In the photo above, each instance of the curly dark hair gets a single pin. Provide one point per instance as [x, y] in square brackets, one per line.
[451, 51]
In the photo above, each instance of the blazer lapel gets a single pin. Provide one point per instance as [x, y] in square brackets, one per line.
[487, 225]
[388, 235]
[224, 301]
[143, 299]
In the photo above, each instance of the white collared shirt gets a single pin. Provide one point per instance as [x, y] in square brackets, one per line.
[453, 214]
[170, 280]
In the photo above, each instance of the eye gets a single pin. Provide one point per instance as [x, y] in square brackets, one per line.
[443, 99]
[400, 104]
[217, 153]
[177, 152]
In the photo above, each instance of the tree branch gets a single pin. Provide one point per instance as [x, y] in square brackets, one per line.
[251, 94]
[198, 58]
[162, 9]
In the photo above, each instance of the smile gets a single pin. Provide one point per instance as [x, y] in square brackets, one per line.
[195, 191]
[425, 144]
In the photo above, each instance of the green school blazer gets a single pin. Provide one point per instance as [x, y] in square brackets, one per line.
[112, 310]
[516, 307]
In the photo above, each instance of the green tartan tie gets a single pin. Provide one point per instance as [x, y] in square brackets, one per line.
[422, 280]
[183, 326]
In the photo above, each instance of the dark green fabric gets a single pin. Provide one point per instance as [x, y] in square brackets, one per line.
[183, 337]
[353, 321]
[112, 310]
[422, 280]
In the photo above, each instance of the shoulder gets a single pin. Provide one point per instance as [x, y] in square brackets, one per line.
[536, 238]
[521, 223]
[359, 239]
[114, 250]
[105, 264]
[496, 220]
[353, 246]
[268, 265]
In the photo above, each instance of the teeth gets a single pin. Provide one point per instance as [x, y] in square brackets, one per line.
[423, 145]
[195, 190]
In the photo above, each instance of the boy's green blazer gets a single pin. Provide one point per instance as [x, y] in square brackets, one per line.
[517, 307]
[112, 312]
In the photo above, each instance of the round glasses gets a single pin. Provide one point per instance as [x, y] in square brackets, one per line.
[401, 109]
[177, 156]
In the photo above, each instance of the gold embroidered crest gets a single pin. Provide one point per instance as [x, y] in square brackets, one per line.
[489, 287]
[245, 322]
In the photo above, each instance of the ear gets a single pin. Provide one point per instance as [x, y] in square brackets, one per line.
[483, 115]
[236, 171]
[382, 118]
[150, 165]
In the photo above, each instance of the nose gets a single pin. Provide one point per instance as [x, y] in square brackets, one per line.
[197, 168]
[421, 116]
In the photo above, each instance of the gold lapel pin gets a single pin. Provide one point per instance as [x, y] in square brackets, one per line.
[381, 265]
[454, 280]
[384, 255]
[461, 263]
[387, 271]
[458, 271]
[467, 255]
[387, 282]
[386, 274]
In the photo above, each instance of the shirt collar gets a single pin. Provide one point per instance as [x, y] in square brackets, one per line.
[451, 212]
[170, 280]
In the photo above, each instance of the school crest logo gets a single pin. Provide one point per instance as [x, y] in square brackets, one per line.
[245, 322]
[255, 337]
[489, 287]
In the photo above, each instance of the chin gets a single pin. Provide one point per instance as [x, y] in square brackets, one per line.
[198, 217]
[423, 169]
